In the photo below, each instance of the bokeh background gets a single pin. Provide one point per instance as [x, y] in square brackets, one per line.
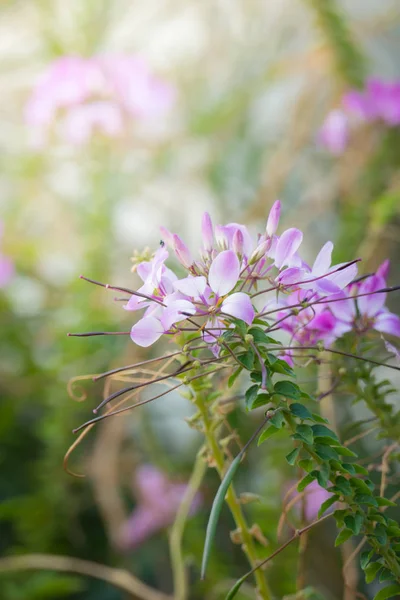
[253, 82]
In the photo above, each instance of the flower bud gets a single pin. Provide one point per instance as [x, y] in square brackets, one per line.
[260, 251]
[273, 218]
[182, 252]
[238, 242]
[207, 232]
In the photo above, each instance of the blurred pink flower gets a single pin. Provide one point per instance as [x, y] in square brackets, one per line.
[334, 133]
[6, 265]
[158, 501]
[95, 94]
[314, 497]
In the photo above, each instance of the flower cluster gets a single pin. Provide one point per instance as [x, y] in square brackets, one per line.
[379, 101]
[313, 303]
[84, 95]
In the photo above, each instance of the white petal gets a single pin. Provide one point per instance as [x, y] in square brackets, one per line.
[146, 331]
[239, 305]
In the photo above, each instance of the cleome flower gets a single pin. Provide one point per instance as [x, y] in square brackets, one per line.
[221, 284]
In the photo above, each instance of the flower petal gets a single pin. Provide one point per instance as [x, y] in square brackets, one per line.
[371, 304]
[344, 308]
[343, 277]
[146, 331]
[191, 286]
[178, 311]
[287, 245]
[224, 272]
[239, 305]
[323, 260]
[387, 322]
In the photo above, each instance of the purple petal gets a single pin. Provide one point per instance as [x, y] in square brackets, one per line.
[343, 277]
[239, 305]
[370, 305]
[182, 252]
[273, 218]
[167, 236]
[225, 233]
[323, 260]
[383, 269]
[207, 232]
[287, 245]
[344, 309]
[291, 275]
[191, 286]
[387, 322]
[224, 272]
[392, 350]
[136, 303]
[178, 311]
[146, 331]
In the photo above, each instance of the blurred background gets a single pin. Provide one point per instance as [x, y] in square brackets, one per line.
[120, 116]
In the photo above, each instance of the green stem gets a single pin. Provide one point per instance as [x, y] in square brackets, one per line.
[231, 498]
[175, 540]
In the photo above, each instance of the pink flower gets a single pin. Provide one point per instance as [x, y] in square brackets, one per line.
[98, 94]
[158, 500]
[313, 497]
[334, 133]
[6, 266]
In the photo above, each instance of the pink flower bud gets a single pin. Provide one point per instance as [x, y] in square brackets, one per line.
[273, 218]
[182, 252]
[207, 232]
[238, 242]
[260, 251]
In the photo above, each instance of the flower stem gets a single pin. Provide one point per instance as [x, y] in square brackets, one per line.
[232, 501]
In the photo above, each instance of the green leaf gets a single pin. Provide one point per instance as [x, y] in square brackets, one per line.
[300, 411]
[215, 512]
[388, 592]
[326, 452]
[323, 431]
[260, 337]
[288, 389]
[385, 575]
[306, 464]
[339, 517]
[304, 433]
[234, 376]
[343, 536]
[380, 534]
[365, 557]
[251, 395]
[360, 469]
[343, 486]
[291, 457]
[318, 418]
[279, 366]
[323, 475]
[384, 501]
[349, 468]
[345, 451]
[247, 359]
[327, 504]
[277, 420]
[371, 571]
[266, 434]
[365, 499]
[261, 400]
[354, 522]
[360, 485]
[305, 482]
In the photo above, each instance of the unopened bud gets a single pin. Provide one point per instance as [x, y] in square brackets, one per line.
[238, 242]
[255, 531]
[273, 218]
[260, 251]
[182, 252]
[247, 497]
[236, 536]
[248, 338]
[207, 232]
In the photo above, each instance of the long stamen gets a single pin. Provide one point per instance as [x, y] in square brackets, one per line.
[94, 333]
[135, 365]
[122, 289]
